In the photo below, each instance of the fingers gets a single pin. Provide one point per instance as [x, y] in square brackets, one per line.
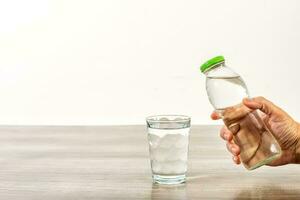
[236, 160]
[234, 114]
[233, 148]
[260, 103]
[226, 134]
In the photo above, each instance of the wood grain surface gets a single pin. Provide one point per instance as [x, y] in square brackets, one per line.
[111, 162]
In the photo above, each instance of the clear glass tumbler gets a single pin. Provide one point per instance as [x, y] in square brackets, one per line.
[168, 137]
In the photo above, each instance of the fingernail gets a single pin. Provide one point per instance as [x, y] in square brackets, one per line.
[217, 114]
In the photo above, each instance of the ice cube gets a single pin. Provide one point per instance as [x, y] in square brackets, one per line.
[156, 167]
[181, 154]
[182, 141]
[159, 154]
[169, 140]
[177, 154]
[179, 167]
[154, 140]
[173, 167]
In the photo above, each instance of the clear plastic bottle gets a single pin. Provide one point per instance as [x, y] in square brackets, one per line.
[226, 89]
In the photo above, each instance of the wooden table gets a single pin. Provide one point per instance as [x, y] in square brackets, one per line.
[111, 162]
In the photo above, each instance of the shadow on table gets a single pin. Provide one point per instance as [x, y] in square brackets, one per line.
[169, 192]
[268, 192]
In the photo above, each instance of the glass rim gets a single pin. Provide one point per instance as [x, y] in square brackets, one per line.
[155, 118]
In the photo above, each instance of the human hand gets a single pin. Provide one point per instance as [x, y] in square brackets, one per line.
[285, 130]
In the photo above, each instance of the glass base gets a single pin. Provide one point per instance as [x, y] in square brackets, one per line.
[169, 180]
[266, 161]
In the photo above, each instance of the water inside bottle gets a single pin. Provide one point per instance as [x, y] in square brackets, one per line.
[227, 91]
[256, 142]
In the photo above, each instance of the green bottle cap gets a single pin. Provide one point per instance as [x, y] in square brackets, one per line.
[211, 63]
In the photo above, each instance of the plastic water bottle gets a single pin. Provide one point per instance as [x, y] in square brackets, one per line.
[226, 89]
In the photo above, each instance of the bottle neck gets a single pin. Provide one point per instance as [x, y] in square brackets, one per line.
[222, 64]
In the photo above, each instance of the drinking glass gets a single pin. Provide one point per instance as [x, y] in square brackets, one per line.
[168, 137]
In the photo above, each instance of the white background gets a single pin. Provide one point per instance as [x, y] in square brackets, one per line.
[117, 61]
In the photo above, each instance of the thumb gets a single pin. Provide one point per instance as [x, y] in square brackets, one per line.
[260, 103]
